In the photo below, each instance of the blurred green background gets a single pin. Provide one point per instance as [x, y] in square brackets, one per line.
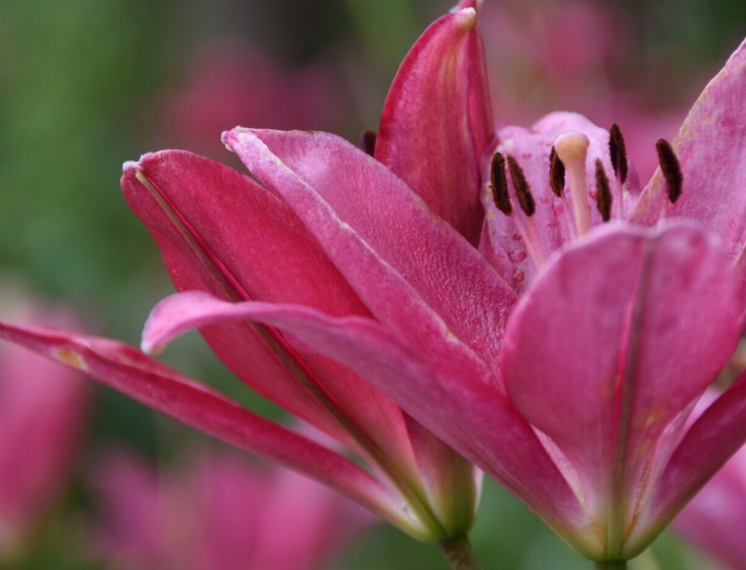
[88, 84]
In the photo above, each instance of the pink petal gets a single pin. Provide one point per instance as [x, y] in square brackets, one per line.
[711, 147]
[404, 262]
[471, 416]
[709, 443]
[437, 120]
[714, 520]
[151, 383]
[221, 232]
[618, 336]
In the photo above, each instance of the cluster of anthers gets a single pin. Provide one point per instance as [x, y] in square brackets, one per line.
[567, 160]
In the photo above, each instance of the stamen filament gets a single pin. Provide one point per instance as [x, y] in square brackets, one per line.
[530, 234]
[557, 184]
[572, 149]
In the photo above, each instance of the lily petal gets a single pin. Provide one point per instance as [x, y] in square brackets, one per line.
[127, 370]
[437, 120]
[203, 215]
[620, 334]
[472, 417]
[718, 433]
[404, 262]
[711, 148]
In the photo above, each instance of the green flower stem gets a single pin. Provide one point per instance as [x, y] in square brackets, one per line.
[612, 565]
[460, 554]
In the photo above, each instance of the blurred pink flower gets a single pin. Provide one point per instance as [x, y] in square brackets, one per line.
[42, 416]
[219, 512]
[231, 83]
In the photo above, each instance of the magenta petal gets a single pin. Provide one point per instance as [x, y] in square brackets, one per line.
[437, 120]
[471, 416]
[718, 433]
[195, 236]
[620, 334]
[711, 147]
[405, 263]
[148, 381]
[219, 231]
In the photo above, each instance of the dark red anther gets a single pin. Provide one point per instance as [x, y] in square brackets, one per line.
[499, 181]
[368, 141]
[556, 173]
[603, 192]
[618, 152]
[671, 169]
[522, 189]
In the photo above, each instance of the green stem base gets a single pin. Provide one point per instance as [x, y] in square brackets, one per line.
[460, 554]
[611, 565]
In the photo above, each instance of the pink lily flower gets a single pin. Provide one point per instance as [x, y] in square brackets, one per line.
[219, 512]
[244, 243]
[42, 415]
[495, 290]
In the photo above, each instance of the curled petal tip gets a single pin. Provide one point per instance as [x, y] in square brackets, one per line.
[235, 136]
[468, 4]
[149, 346]
[130, 166]
[136, 165]
[468, 17]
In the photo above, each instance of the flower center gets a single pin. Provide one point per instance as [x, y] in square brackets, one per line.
[580, 182]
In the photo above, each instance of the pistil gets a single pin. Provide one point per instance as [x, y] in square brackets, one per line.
[572, 149]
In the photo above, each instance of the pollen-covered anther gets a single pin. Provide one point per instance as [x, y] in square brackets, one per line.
[556, 173]
[603, 192]
[671, 169]
[618, 152]
[572, 150]
[499, 183]
[522, 189]
[368, 141]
